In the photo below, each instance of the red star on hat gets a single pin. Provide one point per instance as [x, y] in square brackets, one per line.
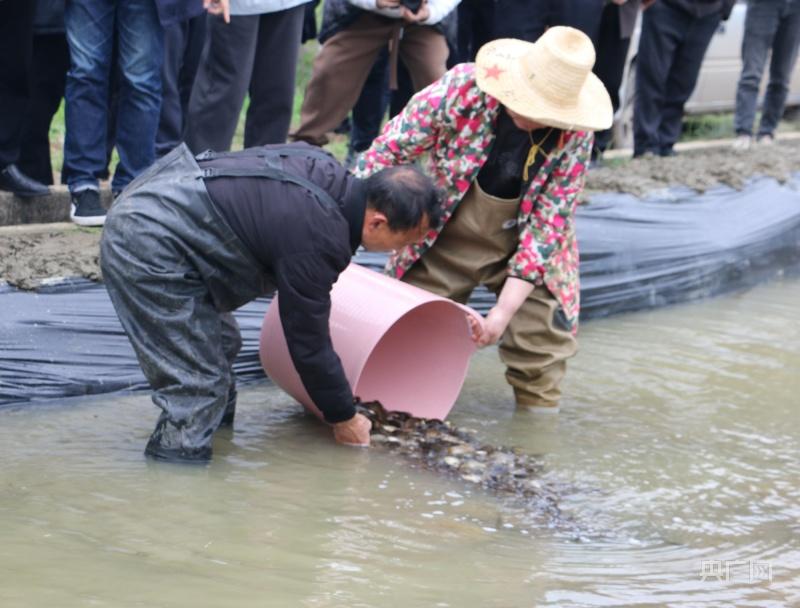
[493, 72]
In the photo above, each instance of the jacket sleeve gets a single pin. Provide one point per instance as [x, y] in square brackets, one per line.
[439, 9]
[412, 132]
[304, 285]
[545, 220]
[372, 6]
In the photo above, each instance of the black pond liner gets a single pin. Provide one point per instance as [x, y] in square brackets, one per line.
[64, 339]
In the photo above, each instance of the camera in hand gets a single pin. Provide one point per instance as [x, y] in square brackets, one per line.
[412, 5]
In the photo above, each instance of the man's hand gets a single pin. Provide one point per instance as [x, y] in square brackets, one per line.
[387, 3]
[353, 432]
[647, 4]
[218, 7]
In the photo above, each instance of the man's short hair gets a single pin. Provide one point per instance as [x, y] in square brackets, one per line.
[404, 194]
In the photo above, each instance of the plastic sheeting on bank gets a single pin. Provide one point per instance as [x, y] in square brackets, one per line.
[65, 340]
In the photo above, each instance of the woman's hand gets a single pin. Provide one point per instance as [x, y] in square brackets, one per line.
[494, 326]
[514, 293]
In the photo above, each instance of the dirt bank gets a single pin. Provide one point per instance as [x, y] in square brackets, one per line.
[697, 169]
[29, 254]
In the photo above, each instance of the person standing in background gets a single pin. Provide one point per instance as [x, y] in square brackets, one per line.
[528, 19]
[353, 35]
[770, 26]
[612, 41]
[675, 37]
[255, 53]
[16, 47]
[183, 45]
[48, 79]
[91, 28]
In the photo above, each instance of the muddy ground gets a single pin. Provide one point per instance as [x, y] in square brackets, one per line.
[29, 254]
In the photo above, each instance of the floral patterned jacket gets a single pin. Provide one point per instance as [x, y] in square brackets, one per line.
[451, 123]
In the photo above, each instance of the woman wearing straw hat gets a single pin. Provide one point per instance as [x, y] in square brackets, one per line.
[508, 138]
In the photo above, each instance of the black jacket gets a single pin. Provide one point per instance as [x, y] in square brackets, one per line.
[303, 242]
[701, 8]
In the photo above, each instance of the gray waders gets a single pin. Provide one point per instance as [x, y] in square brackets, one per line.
[175, 271]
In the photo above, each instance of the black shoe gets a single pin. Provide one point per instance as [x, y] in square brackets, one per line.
[14, 180]
[86, 209]
[163, 445]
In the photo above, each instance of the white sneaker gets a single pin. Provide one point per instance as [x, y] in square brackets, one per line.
[742, 143]
[765, 140]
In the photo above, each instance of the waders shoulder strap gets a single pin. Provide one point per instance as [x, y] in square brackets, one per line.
[271, 173]
[284, 152]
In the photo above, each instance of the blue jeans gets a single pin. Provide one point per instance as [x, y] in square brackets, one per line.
[91, 27]
[769, 25]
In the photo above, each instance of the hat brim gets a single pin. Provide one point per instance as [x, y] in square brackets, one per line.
[592, 111]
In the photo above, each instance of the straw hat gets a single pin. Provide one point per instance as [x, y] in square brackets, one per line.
[549, 81]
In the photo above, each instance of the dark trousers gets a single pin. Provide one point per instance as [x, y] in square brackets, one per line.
[48, 79]
[671, 50]
[372, 104]
[528, 19]
[183, 45]
[16, 43]
[255, 54]
[612, 51]
[770, 25]
[375, 99]
[475, 27]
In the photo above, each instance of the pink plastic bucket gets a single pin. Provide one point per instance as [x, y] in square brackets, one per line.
[400, 345]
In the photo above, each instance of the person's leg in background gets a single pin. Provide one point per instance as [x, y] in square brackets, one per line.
[663, 29]
[90, 34]
[424, 52]
[583, 15]
[16, 48]
[475, 28]
[273, 77]
[523, 19]
[761, 22]
[784, 56]
[340, 70]
[141, 55]
[612, 53]
[183, 44]
[370, 108]
[682, 78]
[50, 65]
[221, 83]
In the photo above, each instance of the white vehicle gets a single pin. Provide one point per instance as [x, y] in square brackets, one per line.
[716, 84]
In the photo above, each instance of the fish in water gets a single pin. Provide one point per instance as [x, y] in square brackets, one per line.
[439, 446]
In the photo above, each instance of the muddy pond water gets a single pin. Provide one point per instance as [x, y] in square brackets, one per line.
[676, 459]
